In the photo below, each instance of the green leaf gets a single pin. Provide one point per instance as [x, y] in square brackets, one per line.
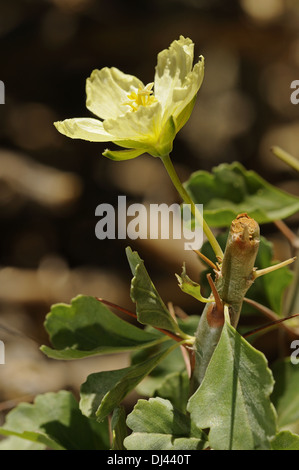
[176, 388]
[173, 363]
[152, 382]
[190, 287]
[54, 420]
[27, 441]
[231, 190]
[150, 308]
[285, 396]
[17, 443]
[275, 283]
[104, 391]
[233, 398]
[157, 425]
[121, 155]
[118, 428]
[88, 328]
[285, 440]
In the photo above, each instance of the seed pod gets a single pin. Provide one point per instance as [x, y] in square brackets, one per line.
[237, 269]
[233, 279]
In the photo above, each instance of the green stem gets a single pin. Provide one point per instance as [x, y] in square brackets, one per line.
[286, 157]
[187, 200]
[292, 300]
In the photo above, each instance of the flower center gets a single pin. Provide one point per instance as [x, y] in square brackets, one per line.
[143, 97]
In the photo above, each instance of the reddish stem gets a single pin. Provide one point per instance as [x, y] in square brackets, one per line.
[131, 314]
[268, 325]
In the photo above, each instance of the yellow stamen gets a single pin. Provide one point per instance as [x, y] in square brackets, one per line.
[143, 97]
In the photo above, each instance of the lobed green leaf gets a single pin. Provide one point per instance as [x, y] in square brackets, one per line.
[88, 328]
[55, 421]
[231, 190]
[285, 440]
[158, 425]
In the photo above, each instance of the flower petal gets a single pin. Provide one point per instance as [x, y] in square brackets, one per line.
[107, 89]
[84, 128]
[172, 67]
[143, 125]
[175, 81]
[183, 95]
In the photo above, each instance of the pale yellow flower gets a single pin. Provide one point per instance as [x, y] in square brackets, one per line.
[137, 117]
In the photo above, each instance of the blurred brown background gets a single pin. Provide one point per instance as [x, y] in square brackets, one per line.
[51, 185]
